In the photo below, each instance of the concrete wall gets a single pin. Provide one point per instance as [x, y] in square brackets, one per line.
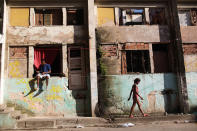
[57, 100]
[192, 90]
[189, 34]
[46, 35]
[137, 33]
[158, 90]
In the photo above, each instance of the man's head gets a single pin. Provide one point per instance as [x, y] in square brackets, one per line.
[43, 61]
[137, 81]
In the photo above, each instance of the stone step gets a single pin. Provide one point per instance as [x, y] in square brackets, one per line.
[16, 114]
[9, 109]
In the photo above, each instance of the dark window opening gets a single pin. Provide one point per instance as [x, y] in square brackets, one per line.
[194, 17]
[188, 17]
[157, 16]
[1, 18]
[75, 16]
[49, 17]
[138, 61]
[52, 56]
[131, 16]
[160, 57]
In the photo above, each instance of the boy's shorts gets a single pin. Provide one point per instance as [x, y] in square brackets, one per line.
[43, 76]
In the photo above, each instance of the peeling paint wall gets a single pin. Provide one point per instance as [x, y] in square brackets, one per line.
[189, 34]
[192, 90]
[18, 61]
[106, 17]
[46, 35]
[56, 100]
[137, 33]
[158, 90]
[19, 16]
[190, 57]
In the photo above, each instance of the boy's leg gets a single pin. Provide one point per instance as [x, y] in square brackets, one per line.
[139, 106]
[132, 108]
[38, 80]
[47, 80]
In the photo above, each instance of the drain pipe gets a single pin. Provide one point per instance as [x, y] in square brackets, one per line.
[3, 54]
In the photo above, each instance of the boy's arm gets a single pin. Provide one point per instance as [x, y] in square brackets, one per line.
[130, 94]
[139, 96]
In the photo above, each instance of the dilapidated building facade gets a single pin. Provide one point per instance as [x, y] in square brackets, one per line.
[96, 49]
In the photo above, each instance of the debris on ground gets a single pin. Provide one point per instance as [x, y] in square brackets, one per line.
[79, 126]
[127, 125]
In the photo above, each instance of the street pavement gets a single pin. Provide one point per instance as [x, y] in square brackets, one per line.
[154, 126]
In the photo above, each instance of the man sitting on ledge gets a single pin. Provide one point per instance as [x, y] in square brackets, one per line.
[45, 70]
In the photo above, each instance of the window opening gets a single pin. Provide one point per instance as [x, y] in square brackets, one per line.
[75, 16]
[131, 16]
[138, 61]
[49, 17]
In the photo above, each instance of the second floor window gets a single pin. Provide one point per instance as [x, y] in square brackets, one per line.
[75, 16]
[131, 16]
[45, 17]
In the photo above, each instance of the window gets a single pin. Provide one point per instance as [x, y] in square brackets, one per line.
[188, 17]
[75, 17]
[157, 16]
[52, 56]
[160, 57]
[19, 16]
[1, 19]
[131, 16]
[49, 17]
[136, 61]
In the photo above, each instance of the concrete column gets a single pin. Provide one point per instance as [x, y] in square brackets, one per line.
[151, 57]
[32, 17]
[178, 52]
[147, 15]
[30, 62]
[65, 63]
[117, 15]
[64, 16]
[92, 54]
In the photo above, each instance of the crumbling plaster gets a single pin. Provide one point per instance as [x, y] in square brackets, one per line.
[46, 35]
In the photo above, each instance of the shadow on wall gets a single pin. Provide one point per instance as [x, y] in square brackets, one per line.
[33, 88]
[170, 93]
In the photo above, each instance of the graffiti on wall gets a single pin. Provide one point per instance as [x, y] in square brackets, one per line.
[14, 69]
[56, 100]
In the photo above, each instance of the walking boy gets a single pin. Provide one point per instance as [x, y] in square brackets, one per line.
[135, 92]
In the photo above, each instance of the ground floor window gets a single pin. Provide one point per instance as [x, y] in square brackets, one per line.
[52, 56]
[136, 61]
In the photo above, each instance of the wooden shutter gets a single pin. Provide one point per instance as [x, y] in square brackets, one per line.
[124, 62]
[39, 18]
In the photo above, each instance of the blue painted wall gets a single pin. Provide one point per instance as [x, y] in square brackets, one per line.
[158, 90]
[57, 100]
[192, 90]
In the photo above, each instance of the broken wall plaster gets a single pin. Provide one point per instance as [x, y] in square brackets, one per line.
[46, 35]
[137, 33]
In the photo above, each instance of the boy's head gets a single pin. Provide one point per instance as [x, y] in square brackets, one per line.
[43, 61]
[137, 81]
